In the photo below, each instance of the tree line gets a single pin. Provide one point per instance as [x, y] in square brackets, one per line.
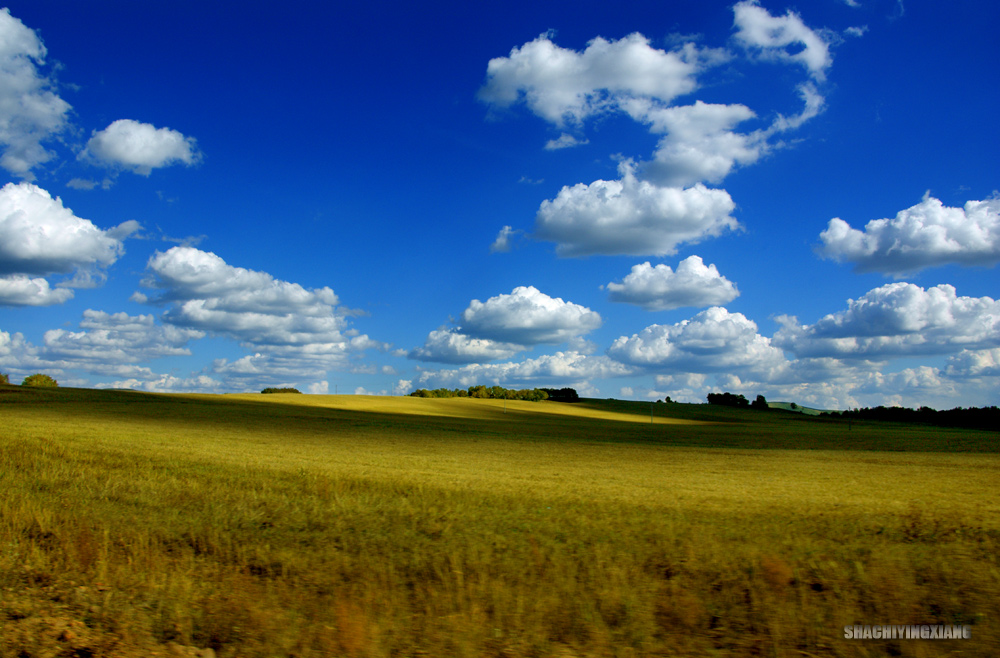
[38, 379]
[728, 399]
[985, 418]
[500, 393]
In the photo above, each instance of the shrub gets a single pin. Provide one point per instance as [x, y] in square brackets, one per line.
[38, 379]
[281, 390]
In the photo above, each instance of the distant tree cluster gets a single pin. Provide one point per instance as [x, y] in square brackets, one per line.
[483, 392]
[562, 394]
[281, 390]
[4, 379]
[38, 379]
[728, 399]
[987, 418]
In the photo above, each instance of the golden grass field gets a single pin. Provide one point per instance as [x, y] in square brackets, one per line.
[297, 525]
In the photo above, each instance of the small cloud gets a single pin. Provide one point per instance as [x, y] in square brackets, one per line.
[856, 31]
[140, 147]
[660, 288]
[531, 181]
[564, 141]
[82, 184]
[319, 388]
[502, 244]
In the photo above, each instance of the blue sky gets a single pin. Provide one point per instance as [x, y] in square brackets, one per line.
[638, 200]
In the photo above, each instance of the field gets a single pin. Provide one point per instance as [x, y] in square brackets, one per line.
[138, 524]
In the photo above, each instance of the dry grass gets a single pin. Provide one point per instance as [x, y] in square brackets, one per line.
[322, 525]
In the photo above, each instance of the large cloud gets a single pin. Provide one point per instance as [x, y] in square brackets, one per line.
[563, 85]
[897, 319]
[451, 346]
[699, 142]
[660, 288]
[714, 340]
[116, 338]
[250, 306]
[527, 317]
[631, 217]
[925, 235]
[21, 290]
[504, 325]
[30, 112]
[107, 344]
[40, 236]
[140, 147]
[783, 38]
[975, 364]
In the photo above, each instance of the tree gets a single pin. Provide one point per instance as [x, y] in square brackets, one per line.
[38, 379]
[728, 399]
[759, 403]
[562, 394]
[4, 379]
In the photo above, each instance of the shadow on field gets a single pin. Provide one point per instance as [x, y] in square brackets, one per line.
[687, 425]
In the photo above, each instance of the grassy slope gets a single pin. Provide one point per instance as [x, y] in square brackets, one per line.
[322, 525]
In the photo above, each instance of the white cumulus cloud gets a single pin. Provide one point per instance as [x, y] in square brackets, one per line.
[661, 288]
[562, 368]
[975, 364]
[450, 346]
[505, 236]
[140, 147]
[158, 383]
[563, 85]
[928, 234]
[22, 290]
[631, 217]
[783, 38]
[699, 142]
[527, 316]
[564, 141]
[714, 340]
[296, 333]
[116, 338]
[40, 236]
[30, 111]
[897, 319]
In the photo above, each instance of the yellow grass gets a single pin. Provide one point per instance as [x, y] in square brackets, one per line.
[292, 525]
